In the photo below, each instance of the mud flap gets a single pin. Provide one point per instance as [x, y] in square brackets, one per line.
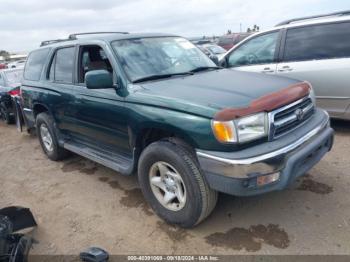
[20, 120]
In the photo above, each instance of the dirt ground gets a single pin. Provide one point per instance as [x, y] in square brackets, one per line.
[78, 204]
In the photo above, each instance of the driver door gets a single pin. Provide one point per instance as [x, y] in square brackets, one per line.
[258, 54]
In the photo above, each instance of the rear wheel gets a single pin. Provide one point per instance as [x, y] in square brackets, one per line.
[5, 115]
[48, 138]
[173, 185]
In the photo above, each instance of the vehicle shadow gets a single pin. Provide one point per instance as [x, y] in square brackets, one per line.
[340, 126]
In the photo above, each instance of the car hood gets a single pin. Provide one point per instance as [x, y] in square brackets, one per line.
[206, 93]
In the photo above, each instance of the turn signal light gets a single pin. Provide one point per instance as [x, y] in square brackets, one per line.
[224, 131]
[268, 179]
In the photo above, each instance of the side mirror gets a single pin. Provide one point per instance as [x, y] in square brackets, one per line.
[215, 59]
[223, 62]
[98, 79]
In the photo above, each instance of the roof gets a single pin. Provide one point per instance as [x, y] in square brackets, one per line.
[299, 22]
[104, 37]
[318, 19]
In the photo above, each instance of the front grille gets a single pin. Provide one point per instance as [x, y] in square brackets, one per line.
[289, 117]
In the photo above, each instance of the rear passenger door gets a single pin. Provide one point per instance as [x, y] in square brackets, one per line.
[320, 54]
[258, 54]
[60, 81]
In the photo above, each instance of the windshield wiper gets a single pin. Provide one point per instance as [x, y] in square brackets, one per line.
[204, 68]
[160, 76]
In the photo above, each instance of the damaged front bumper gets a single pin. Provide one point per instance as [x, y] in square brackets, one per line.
[281, 161]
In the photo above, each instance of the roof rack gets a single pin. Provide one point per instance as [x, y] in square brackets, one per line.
[74, 37]
[341, 13]
[49, 42]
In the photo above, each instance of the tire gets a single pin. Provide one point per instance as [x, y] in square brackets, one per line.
[200, 199]
[5, 115]
[54, 152]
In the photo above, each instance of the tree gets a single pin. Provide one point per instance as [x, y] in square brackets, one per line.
[254, 29]
[5, 54]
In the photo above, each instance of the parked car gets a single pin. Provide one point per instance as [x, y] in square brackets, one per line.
[156, 105]
[315, 49]
[3, 66]
[10, 81]
[212, 50]
[229, 41]
[17, 64]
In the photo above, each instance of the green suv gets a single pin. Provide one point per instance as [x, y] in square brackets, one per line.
[155, 105]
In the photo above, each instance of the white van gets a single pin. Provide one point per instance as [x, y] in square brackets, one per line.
[315, 49]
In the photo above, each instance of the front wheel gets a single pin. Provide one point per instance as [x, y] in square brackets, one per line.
[173, 185]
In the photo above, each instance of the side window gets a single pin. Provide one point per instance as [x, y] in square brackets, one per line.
[318, 42]
[92, 57]
[62, 66]
[258, 50]
[35, 64]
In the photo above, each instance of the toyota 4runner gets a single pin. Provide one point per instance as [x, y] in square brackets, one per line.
[155, 105]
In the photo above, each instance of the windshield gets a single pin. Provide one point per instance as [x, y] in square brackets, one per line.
[14, 76]
[216, 49]
[143, 57]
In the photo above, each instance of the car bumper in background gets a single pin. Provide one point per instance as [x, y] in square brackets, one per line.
[270, 166]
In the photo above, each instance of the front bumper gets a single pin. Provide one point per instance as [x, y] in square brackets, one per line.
[291, 156]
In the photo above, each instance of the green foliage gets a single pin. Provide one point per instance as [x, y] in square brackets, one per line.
[254, 29]
[5, 54]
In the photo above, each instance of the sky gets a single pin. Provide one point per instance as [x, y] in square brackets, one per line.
[25, 23]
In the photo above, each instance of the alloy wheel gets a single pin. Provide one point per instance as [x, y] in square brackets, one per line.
[167, 186]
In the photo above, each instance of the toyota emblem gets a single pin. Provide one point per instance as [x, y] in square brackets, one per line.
[299, 114]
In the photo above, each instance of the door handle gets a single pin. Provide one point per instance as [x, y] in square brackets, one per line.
[285, 68]
[267, 70]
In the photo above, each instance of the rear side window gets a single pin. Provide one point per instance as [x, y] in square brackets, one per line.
[318, 42]
[35, 64]
[62, 65]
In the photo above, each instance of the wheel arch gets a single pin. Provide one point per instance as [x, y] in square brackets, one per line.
[150, 134]
[40, 108]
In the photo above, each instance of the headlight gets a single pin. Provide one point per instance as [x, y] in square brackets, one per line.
[241, 130]
[251, 127]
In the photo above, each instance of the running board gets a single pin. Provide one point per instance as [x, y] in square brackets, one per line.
[114, 161]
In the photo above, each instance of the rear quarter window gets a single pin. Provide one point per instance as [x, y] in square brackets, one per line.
[318, 42]
[35, 64]
[62, 66]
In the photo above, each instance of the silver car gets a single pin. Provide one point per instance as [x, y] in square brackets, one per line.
[315, 49]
